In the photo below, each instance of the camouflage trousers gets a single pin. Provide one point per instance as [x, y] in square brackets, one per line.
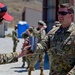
[34, 59]
[41, 59]
[14, 46]
[37, 56]
[26, 59]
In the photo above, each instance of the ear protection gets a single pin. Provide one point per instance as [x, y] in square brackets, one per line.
[3, 9]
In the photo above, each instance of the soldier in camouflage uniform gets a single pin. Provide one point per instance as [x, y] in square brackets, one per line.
[26, 36]
[60, 44]
[14, 38]
[40, 33]
[13, 57]
[24, 44]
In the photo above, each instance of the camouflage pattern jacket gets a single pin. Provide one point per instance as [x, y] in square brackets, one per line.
[8, 58]
[14, 35]
[60, 44]
[40, 34]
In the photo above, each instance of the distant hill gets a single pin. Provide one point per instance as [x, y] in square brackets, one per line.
[15, 8]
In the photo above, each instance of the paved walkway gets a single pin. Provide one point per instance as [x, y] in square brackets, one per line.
[6, 46]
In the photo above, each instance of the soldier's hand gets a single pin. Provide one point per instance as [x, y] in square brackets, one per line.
[26, 51]
[44, 27]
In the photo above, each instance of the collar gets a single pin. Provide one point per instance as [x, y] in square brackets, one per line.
[68, 29]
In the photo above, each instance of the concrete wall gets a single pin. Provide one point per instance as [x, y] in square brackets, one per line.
[32, 16]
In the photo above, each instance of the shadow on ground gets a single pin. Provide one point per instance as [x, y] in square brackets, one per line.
[46, 66]
[20, 71]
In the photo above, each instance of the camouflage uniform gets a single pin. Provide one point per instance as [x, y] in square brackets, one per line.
[8, 58]
[26, 58]
[60, 44]
[41, 56]
[40, 34]
[15, 39]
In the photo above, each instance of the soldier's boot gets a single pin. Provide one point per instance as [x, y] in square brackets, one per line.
[23, 64]
[32, 68]
[14, 49]
[41, 71]
[29, 71]
[27, 67]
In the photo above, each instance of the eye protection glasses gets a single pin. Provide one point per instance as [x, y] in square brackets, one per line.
[63, 13]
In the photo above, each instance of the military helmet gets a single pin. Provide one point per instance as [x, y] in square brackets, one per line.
[41, 23]
[24, 35]
[31, 29]
[16, 26]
